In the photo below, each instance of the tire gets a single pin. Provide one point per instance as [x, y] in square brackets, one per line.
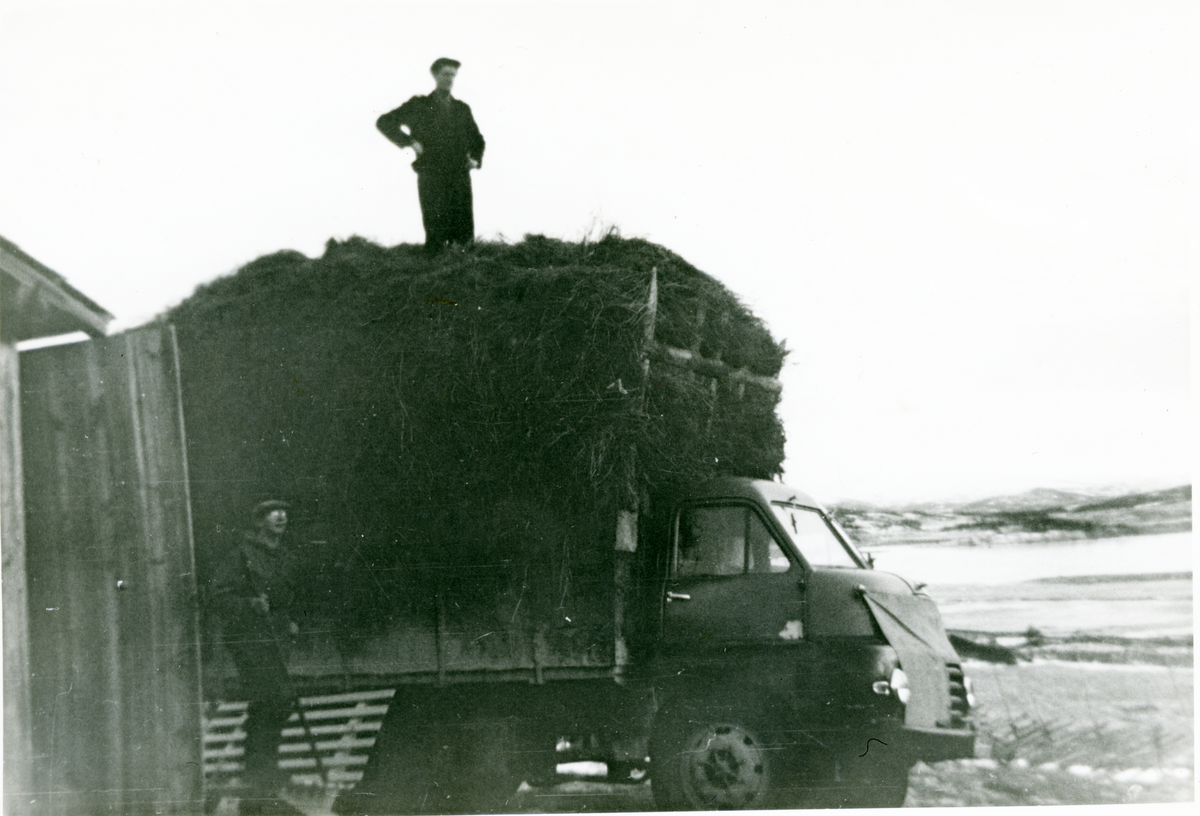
[718, 762]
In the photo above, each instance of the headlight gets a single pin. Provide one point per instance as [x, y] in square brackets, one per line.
[895, 686]
[970, 689]
[899, 683]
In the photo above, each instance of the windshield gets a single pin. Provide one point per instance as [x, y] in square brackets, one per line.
[813, 536]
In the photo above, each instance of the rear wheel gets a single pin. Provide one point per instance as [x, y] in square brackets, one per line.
[720, 762]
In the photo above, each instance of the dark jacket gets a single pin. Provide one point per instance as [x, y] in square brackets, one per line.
[250, 570]
[443, 125]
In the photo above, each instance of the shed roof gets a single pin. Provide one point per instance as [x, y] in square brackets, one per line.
[35, 301]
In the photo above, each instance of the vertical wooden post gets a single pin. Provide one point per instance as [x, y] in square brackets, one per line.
[626, 545]
[18, 745]
[698, 328]
[650, 320]
[627, 518]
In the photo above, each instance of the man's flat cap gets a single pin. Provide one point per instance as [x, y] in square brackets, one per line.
[262, 508]
[442, 62]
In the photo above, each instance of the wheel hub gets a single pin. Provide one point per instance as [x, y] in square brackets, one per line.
[725, 767]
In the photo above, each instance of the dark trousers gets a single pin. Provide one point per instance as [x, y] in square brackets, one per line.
[265, 683]
[446, 207]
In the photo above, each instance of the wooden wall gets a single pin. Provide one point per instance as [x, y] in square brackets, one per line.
[113, 649]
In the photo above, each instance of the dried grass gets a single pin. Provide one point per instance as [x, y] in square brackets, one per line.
[470, 409]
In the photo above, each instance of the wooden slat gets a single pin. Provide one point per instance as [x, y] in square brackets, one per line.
[359, 710]
[715, 368]
[343, 728]
[353, 696]
[337, 760]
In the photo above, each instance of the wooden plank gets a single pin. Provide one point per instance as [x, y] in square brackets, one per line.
[288, 763]
[18, 744]
[359, 710]
[72, 621]
[714, 368]
[351, 696]
[159, 604]
[305, 747]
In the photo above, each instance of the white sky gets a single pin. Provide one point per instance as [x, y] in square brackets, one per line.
[970, 221]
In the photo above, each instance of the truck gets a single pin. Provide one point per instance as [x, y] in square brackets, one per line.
[743, 653]
[550, 473]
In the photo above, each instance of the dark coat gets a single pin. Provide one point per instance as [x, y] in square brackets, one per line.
[443, 125]
[250, 570]
[258, 642]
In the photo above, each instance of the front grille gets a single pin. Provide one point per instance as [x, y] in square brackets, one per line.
[960, 709]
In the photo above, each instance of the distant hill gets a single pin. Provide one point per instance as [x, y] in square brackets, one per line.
[1040, 498]
[1042, 514]
[1175, 495]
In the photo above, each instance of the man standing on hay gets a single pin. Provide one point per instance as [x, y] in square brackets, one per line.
[443, 133]
[252, 592]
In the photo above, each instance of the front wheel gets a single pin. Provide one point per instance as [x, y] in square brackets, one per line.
[711, 763]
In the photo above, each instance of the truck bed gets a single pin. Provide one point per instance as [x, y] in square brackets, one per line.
[514, 627]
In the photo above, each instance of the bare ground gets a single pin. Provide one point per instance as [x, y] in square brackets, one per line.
[1056, 732]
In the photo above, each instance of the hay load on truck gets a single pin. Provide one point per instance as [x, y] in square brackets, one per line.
[539, 483]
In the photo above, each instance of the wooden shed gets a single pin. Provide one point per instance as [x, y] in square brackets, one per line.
[101, 663]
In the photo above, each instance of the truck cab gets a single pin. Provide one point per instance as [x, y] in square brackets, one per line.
[780, 654]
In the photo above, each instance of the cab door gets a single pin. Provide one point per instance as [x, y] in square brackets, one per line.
[730, 581]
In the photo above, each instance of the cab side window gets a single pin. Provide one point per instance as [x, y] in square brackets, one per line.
[726, 540]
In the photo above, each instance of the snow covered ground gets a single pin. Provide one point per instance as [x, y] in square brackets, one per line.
[1131, 587]
[949, 564]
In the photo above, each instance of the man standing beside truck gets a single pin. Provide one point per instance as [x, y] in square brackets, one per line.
[252, 593]
[442, 132]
